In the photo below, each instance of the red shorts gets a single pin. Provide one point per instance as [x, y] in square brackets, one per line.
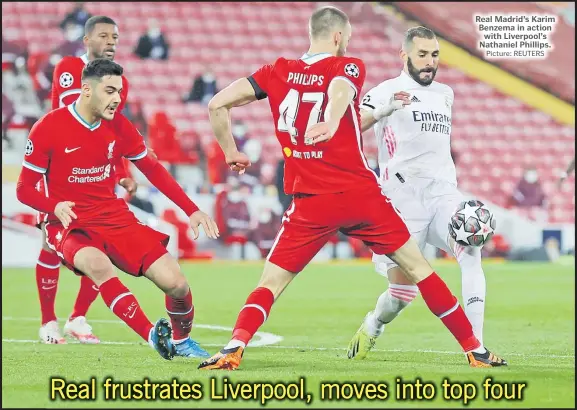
[131, 247]
[311, 220]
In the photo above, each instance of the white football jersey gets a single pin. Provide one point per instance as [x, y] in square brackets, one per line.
[415, 140]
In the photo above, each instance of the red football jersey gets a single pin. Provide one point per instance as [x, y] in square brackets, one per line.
[76, 160]
[297, 92]
[67, 81]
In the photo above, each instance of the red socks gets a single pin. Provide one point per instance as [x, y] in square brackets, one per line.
[124, 305]
[253, 314]
[86, 295]
[445, 305]
[47, 272]
[181, 312]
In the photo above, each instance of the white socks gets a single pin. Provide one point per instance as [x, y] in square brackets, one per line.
[235, 343]
[389, 305]
[473, 286]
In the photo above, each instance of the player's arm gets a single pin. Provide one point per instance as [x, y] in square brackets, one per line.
[340, 94]
[61, 96]
[346, 84]
[123, 127]
[380, 103]
[161, 179]
[134, 150]
[35, 165]
[241, 92]
[237, 94]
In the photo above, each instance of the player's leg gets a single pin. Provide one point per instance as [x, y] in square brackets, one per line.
[162, 269]
[84, 252]
[400, 291]
[251, 317]
[399, 294]
[442, 303]
[140, 250]
[76, 326]
[396, 243]
[473, 283]
[47, 273]
[297, 242]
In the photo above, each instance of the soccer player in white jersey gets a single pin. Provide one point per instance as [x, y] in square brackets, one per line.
[411, 116]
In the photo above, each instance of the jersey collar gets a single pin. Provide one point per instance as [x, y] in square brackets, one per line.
[77, 117]
[84, 58]
[314, 58]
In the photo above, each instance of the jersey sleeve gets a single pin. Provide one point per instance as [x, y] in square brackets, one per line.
[132, 142]
[65, 86]
[352, 70]
[259, 81]
[379, 95]
[38, 151]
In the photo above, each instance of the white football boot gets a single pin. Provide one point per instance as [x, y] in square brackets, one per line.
[50, 334]
[78, 329]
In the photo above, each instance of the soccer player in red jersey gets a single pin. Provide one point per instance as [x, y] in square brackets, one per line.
[101, 37]
[326, 172]
[89, 228]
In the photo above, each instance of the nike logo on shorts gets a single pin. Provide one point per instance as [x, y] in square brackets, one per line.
[68, 151]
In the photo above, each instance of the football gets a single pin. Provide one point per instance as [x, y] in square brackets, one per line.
[472, 223]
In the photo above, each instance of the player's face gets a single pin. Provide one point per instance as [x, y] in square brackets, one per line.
[343, 40]
[105, 96]
[102, 41]
[422, 60]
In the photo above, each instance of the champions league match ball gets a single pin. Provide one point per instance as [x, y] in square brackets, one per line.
[472, 224]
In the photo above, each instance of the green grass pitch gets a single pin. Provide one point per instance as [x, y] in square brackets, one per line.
[529, 321]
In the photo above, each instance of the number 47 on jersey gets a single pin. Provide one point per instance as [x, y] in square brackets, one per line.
[289, 108]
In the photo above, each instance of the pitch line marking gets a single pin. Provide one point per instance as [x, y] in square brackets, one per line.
[269, 340]
[262, 338]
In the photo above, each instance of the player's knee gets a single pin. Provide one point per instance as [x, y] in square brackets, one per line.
[176, 286]
[402, 295]
[99, 267]
[396, 276]
[179, 288]
[411, 260]
[45, 247]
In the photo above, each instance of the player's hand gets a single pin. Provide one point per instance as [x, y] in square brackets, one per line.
[129, 184]
[398, 101]
[208, 224]
[320, 132]
[64, 213]
[402, 96]
[238, 162]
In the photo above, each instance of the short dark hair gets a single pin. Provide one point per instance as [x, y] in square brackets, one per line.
[94, 20]
[325, 19]
[420, 32]
[96, 69]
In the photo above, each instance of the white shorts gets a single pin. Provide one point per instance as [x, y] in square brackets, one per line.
[426, 206]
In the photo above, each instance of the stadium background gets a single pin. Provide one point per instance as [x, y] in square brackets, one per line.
[507, 117]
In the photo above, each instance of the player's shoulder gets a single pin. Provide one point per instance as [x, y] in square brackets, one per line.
[346, 60]
[52, 119]
[347, 63]
[56, 115]
[386, 86]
